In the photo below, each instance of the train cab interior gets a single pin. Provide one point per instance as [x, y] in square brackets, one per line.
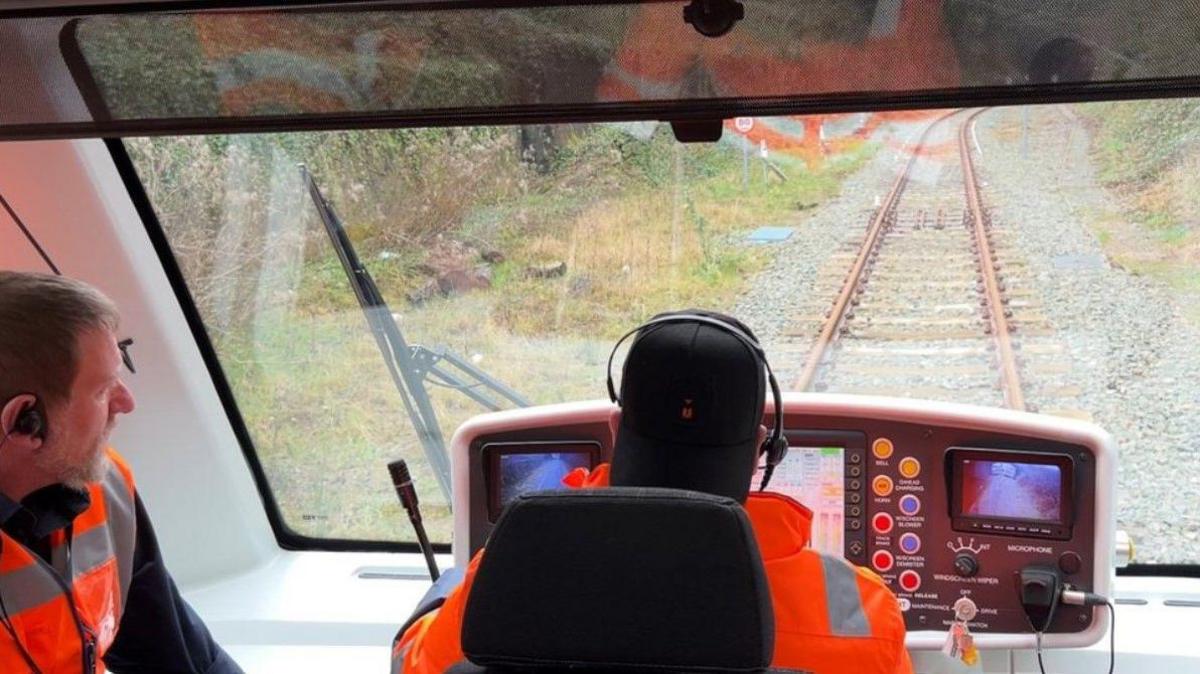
[342, 234]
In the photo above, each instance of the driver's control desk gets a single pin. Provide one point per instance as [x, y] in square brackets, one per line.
[941, 501]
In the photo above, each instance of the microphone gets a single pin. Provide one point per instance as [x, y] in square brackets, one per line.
[402, 481]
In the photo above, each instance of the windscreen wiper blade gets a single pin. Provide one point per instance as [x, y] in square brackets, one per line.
[411, 367]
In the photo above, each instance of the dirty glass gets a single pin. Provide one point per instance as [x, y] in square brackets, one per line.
[519, 254]
[199, 71]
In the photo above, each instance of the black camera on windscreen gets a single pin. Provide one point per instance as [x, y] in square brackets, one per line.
[713, 18]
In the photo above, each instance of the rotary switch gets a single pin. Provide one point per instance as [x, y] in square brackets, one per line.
[965, 564]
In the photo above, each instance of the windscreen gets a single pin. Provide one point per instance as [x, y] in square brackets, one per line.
[449, 62]
[1036, 258]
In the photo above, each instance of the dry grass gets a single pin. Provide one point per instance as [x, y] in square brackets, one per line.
[323, 412]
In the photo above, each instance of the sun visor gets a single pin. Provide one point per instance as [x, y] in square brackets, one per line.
[101, 71]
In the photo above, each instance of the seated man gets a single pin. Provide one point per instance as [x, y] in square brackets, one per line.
[691, 413]
[82, 582]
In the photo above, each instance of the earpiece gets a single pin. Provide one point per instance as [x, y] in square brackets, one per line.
[775, 447]
[30, 422]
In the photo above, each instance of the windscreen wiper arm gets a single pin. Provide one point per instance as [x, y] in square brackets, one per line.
[410, 366]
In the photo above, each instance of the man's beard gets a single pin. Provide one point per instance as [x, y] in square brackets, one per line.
[78, 476]
[69, 470]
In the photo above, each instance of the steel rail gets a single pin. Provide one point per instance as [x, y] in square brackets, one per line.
[1010, 379]
[837, 314]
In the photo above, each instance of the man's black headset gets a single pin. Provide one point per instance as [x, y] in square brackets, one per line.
[775, 447]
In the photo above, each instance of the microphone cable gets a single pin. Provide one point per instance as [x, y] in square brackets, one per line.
[1081, 598]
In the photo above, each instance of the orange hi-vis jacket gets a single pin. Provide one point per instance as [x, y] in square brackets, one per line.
[830, 616]
[101, 563]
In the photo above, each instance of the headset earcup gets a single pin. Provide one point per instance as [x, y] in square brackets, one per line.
[776, 451]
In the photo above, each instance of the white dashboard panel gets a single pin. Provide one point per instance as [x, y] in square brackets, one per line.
[310, 613]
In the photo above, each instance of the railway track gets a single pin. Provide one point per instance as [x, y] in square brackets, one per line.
[933, 301]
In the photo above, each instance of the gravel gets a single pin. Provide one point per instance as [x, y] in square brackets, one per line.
[824, 241]
[1131, 355]
[1118, 349]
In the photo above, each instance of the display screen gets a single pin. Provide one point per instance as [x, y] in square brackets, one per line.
[527, 472]
[814, 477]
[1012, 490]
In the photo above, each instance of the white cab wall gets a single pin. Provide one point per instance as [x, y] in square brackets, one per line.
[191, 471]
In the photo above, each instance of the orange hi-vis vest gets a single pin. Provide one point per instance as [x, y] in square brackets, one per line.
[831, 617]
[100, 554]
[907, 47]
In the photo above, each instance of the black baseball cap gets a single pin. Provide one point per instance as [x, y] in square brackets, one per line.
[691, 407]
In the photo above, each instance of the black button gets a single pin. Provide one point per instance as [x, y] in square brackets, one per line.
[856, 548]
[855, 471]
[855, 484]
[855, 511]
[856, 458]
[1070, 563]
[855, 525]
[854, 497]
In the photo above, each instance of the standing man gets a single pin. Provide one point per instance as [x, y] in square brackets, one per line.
[82, 582]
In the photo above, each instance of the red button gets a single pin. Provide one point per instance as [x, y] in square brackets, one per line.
[882, 523]
[882, 560]
[910, 581]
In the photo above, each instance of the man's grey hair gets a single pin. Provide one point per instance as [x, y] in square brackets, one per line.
[41, 320]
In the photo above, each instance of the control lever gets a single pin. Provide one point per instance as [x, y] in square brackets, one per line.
[1040, 590]
[402, 481]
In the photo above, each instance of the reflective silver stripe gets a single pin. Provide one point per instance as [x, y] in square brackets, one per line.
[646, 88]
[267, 64]
[89, 550]
[31, 586]
[846, 616]
[398, 660]
[27, 587]
[886, 19]
[121, 525]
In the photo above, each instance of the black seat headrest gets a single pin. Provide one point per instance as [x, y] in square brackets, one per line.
[621, 578]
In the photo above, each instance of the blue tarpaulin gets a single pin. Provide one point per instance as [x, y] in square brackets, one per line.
[769, 234]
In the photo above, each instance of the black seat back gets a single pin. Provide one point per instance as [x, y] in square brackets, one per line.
[621, 578]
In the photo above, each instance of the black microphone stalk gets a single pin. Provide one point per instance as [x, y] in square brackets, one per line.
[402, 481]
